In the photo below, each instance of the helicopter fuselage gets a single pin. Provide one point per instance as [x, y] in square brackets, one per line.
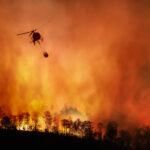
[36, 37]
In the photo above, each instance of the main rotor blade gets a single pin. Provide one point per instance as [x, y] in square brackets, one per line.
[27, 32]
[23, 33]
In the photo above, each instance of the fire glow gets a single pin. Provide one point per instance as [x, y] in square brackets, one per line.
[98, 67]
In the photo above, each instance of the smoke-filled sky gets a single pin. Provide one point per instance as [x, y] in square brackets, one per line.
[99, 59]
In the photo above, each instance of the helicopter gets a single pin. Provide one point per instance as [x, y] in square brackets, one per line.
[35, 36]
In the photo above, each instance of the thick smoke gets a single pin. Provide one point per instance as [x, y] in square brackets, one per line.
[98, 64]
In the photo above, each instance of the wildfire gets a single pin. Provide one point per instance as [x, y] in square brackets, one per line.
[45, 123]
[98, 67]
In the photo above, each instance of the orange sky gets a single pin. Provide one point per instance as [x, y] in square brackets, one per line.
[99, 58]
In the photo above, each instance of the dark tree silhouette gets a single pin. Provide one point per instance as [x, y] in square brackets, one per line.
[6, 122]
[100, 127]
[69, 126]
[87, 129]
[48, 120]
[65, 123]
[111, 132]
[13, 122]
[55, 129]
[76, 126]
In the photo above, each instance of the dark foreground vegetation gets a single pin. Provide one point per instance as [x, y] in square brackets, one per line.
[23, 131]
[36, 140]
[44, 140]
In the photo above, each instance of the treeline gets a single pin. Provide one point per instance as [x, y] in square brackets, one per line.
[108, 135]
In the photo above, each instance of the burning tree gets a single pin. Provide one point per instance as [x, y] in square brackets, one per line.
[35, 119]
[76, 127]
[65, 123]
[48, 120]
[26, 118]
[20, 119]
[87, 129]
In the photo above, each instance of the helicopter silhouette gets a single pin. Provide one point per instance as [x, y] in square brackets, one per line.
[35, 36]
